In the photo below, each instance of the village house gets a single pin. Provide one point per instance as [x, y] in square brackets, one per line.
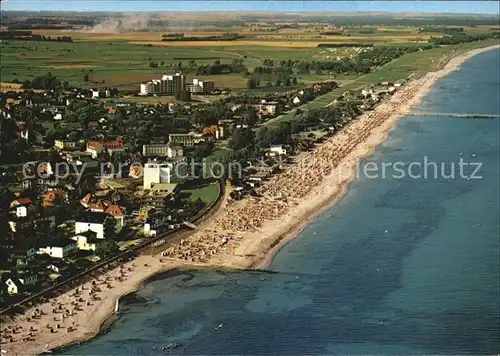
[64, 144]
[87, 241]
[57, 266]
[54, 196]
[271, 107]
[14, 286]
[135, 172]
[155, 225]
[60, 248]
[91, 221]
[94, 148]
[118, 213]
[170, 150]
[100, 93]
[187, 139]
[158, 196]
[21, 206]
[19, 253]
[277, 150]
[19, 223]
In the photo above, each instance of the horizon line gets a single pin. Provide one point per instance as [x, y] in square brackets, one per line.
[265, 11]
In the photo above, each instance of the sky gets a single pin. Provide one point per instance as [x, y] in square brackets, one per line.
[477, 7]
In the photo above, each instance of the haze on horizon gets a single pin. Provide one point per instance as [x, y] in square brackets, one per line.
[436, 7]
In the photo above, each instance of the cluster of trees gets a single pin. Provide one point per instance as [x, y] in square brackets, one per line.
[332, 33]
[47, 82]
[363, 63]
[345, 44]
[460, 37]
[12, 147]
[217, 68]
[224, 37]
[183, 95]
[448, 30]
[29, 36]
[173, 35]
[253, 83]
[211, 114]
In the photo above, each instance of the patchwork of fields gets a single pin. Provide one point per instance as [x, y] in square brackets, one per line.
[123, 59]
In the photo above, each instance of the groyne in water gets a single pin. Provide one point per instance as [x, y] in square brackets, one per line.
[457, 115]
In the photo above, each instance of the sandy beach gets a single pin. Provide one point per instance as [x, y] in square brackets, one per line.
[253, 229]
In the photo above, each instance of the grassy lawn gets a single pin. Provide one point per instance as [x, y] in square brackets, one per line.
[218, 155]
[206, 192]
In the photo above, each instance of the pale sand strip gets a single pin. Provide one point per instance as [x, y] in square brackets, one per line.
[258, 227]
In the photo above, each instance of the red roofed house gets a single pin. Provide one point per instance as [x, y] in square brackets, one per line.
[116, 212]
[86, 200]
[21, 205]
[118, 143]
[213, 131]
[99, 206]
[94, 148]
[51, 197]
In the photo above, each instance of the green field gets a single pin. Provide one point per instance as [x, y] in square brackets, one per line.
[413, 64]
[208, 193]
[124, 65]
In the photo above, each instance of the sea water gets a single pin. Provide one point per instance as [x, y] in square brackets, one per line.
[397, 266]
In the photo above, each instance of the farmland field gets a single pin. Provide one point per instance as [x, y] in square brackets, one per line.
[413, 64]
[114, 59]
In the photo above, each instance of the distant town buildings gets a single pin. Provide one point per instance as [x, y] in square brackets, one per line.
[171, 84]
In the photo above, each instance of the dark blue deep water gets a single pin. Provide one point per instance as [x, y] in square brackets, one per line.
[398, 266]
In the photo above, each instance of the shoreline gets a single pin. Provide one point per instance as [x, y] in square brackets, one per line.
[254, 247]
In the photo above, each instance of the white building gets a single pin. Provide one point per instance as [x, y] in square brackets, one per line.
[157, 173]
[59, 249]
[166, 172]
[163, 150]
[277, 150]
[91, 221]
[146, 88]
[14, 285]
[21, 211]
[87, 241]
[202, 86]
[173, 83]
[96, 93]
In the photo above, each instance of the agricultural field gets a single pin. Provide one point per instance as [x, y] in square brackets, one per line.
[125, 65]
[413, 64]
[112, 58]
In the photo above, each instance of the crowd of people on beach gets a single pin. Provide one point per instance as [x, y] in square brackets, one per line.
[288, 188]
[63, 314]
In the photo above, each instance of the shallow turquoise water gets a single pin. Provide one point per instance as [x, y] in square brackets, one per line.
[398, 266]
